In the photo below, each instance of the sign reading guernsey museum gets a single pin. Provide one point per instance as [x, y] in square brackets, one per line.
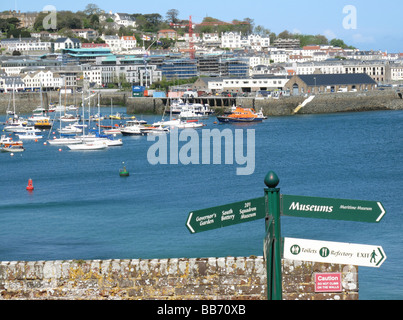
[328, 208]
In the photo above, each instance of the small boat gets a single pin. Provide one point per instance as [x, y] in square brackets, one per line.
[29, 135]
[17, 127]
[96, 145]
[69, 118]
[39, 114]
[159, 129]
[134, 128]
[71, 128]
[64, 140]
[240, 115]
[6, 142]
[116, 116]
[12, 148]
[43, 124]
[261, 115]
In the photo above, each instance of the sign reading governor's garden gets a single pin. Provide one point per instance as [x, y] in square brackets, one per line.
[226, 215]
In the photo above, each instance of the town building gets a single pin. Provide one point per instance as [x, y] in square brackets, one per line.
[25, 45]
[88, 34]
[65, 43]
[11, 83]
[326, 83]
[236, 40]
[45, 79]
[167, 33]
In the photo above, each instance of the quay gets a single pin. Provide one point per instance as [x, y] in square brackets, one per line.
[26, 102]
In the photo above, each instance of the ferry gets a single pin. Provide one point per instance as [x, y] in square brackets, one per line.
[241, 114]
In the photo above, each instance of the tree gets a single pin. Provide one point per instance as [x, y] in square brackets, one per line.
[172, 15]
[92, 9]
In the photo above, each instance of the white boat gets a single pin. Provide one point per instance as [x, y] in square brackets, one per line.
[7, 141]
[69, 118]
[180, 124]
[260, 114]
[133, 127]
[12, 148]
[39, 114]
[96, 145]
[70, 129]
[23, 129]
[16, 127]
[113, 131]
[29, 135]
[62, 141]
[159, 129]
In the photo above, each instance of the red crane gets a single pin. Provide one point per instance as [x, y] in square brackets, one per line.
[191, 47]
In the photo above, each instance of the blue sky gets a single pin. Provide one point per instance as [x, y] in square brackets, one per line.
[379, 24]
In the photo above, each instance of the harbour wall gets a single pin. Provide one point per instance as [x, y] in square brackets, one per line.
[322, 103]
[230, 278]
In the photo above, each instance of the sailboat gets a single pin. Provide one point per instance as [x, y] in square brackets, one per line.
[112, 129]
[14, 120]
[65, 138]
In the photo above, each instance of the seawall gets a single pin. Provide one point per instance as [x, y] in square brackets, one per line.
[230, 278]
[322, 103]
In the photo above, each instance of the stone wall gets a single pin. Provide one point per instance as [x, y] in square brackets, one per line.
[227, 278]
[323, 103]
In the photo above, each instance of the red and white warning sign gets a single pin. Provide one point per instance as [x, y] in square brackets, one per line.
[328, 282]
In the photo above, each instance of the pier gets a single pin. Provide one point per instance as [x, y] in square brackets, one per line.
[26, 102]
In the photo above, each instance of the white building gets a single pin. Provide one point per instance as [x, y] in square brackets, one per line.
[25, 45]
[124, 19]
[93, 74]
[42, 78]
[236, 40]
[66, 43]
[128, 42]
[278, 56]
[113, 42]
[254, 84]
[85, 33]
[10, 84]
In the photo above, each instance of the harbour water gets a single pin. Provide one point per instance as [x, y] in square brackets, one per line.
[82, 209]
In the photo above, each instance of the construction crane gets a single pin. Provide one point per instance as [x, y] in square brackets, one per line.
[191, 45]
[191, 49]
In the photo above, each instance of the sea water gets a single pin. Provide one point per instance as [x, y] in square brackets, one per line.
[82, 209]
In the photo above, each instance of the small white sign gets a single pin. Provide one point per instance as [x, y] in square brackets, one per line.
[334, 252]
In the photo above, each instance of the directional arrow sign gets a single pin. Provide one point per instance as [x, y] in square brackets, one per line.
[226, 215]
[327, 208]
[334, 252]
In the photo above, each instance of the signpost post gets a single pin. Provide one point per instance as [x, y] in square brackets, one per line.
[272, 206]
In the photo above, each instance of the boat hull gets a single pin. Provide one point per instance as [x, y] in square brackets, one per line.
[242, 120]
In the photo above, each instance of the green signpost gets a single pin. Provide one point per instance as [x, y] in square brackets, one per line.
[271, 207]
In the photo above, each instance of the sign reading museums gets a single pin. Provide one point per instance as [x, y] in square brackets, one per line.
[327, 208]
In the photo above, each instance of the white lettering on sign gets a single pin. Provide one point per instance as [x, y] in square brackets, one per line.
[310, 207]
[328, 282]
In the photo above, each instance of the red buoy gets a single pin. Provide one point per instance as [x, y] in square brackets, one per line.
[30, 187]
